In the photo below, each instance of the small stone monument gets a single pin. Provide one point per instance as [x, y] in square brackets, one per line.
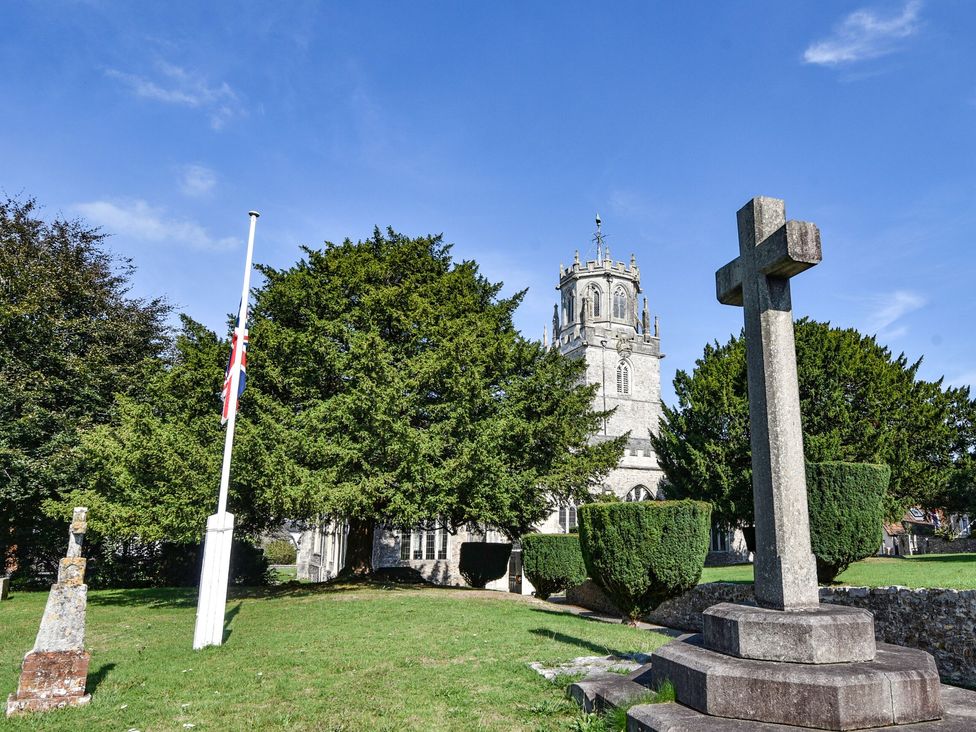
[55, 672]
[786, 660]
[4, 588]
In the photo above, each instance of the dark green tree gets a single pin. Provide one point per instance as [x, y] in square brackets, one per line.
[72, 340]
[859, 403]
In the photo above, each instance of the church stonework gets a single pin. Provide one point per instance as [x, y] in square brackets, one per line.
[597, 320]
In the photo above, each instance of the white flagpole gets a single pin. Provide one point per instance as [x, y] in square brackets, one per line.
[209, 629]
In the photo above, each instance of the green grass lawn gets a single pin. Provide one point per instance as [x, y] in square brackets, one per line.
[954, 571]
[312, 657]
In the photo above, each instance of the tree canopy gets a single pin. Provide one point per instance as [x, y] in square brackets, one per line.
[73, 340]
[386, 385]
[858, 402]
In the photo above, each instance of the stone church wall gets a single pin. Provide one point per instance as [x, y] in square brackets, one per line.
[940, 622]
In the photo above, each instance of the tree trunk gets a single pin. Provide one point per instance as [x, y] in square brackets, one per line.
[359, 548]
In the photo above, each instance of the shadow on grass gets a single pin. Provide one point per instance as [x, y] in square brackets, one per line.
[155, 597]
[229, 618]
[600, 617]
[594, 648]
[186, 597]
[98, 677]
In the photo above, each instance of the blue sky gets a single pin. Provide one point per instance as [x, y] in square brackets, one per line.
[507, 126]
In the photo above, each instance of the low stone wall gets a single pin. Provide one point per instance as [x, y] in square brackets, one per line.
[940, 622]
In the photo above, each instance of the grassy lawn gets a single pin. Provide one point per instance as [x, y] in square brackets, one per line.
[354, 657]
[955, 571]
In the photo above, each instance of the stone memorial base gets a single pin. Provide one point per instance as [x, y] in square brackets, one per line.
[822, 634]
[959, 716]
[51, 679]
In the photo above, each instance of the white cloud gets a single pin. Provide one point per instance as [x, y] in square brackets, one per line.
[864, 34]
[197, 180]
[889, 309]
[179, 86]
[138, 220]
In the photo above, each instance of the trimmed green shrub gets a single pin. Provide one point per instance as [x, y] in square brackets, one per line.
[645, 552]
[281, 551]
[482, 562]
[552, 562]
[846, 503]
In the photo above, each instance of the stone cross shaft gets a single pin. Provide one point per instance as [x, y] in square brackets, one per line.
[76, 531]
[771, 251]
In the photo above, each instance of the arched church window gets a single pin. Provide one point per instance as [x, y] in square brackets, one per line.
[567, 519]
[623, 378]
[594, 298]
[568, 307]
[619, 303]
[638, 493]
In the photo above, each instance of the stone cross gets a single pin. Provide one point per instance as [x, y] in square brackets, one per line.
[771, 251]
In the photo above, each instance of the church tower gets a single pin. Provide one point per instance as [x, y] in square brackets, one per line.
[597, 320]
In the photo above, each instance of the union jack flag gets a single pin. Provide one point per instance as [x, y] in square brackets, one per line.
[225, 392]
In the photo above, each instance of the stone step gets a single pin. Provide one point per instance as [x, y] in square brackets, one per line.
[959, 716]
[900, 686]
[603, 690]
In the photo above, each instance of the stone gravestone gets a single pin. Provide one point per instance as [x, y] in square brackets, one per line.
[55, 671]
[787, 660]
[4, 588]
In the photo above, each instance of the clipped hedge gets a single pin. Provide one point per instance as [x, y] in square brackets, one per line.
[552, 562]
[646, 552]
[846, 503]
[281, 551]
[482, 562]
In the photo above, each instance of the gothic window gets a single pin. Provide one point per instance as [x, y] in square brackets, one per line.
[623, 378]
[568, 307]
[567, 519]
[720, 540]
[594, 298]
[638, 493]
[620, 303]
[423, 543]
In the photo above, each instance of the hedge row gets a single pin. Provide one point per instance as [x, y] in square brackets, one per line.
[552, 562]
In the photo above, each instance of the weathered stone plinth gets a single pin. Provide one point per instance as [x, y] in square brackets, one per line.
[56, 669]
[4, 588]
[50, 679]
[823, 634]
[900, 686]
[959, 716]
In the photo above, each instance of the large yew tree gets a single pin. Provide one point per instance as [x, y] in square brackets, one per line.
[858, 402]
[414, 396]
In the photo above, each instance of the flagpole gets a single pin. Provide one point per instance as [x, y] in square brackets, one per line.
[235, 373]
[209, 630]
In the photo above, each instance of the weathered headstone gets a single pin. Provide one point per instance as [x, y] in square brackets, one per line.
[788, 661]
[55, 671]
[4, 588]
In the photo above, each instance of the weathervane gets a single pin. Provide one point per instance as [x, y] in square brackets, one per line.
[598, 237]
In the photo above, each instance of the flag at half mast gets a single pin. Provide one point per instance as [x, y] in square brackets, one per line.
[225, 392]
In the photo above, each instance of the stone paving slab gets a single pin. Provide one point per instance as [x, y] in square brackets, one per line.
[959, 716]
[601, 690]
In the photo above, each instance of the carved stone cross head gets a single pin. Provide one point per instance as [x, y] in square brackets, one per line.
[769, 247]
